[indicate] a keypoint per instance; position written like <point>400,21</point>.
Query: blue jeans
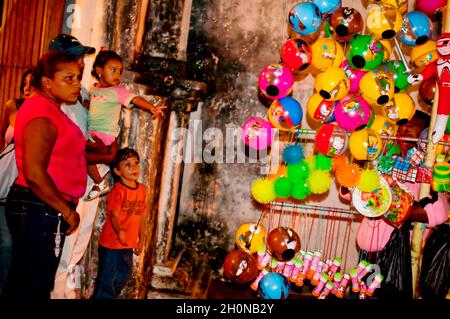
<point>33,226</point>
<point>5,247</point>
<point>114,268</point>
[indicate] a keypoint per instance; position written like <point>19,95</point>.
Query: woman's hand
<point>73,219</point>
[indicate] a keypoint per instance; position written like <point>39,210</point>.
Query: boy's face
<point>128,170</point>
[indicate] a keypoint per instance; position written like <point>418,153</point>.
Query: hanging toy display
<point>416,28</point>
<point>365,144</point>
<point>354,75</point>
<point>332,84</point>
<point>383,21</point>
<point>326,52</point>
<point>285,114</point>
<point>257,133</point>
<point>240,267</point>
<point>365,52</point>
<point>377,87</point>
<point>276,81</point>
<point>249,237</point>
<point>331,140</point>
<point>305,18</point>
<point>352,113</point>
<point>345,22</point>
<point>283,243</point>
<point>296,54</point>
<point>400,109</point>
<point>319,109</point>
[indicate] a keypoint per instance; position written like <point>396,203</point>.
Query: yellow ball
<point>400,109</point>
<point>377,87</point>
<point>319,109</point>
<point>423,54</point>
<point>383,21</point>
<point>401,5</point>
<point>365,144</point>
<point>332,84</point>
<point>263,190</point>
<point>387,49</point>
<point>326,52</point>
<point>383,126</point>
<point>250,237</point>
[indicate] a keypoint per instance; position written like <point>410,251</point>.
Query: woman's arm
<point>38,140</point>
<point>8,109</point>
<point>157,111</point>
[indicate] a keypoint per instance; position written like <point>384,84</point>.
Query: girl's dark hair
<point>122,155</point>
<point>102,58</point>
<point>22,80</point>
<point>48,65</point>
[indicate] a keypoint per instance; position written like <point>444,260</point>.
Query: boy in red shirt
<point>123,232</point>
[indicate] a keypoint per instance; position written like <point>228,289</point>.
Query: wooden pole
<point>430,158</point>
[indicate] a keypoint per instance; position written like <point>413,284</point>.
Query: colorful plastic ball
<point>352,113</point>
<point>397,70</point>
<point>327,7</point>
<point>365,52</point>
<point>424,54</point>
<point>427,90</point>
<point>400,109</point>
<point>240,267</point>
<point>319,109</point>
<point>298,172</point>
<point>300,191</point>
<point>257,133</point>
<point>377,87</point>
<point>263,190</point>
<point>305,18</point>
<point>430,7</point>
<point>354,75</point>
<point>369,181</point>
<point>332,84</point>
<point>283,187</point>
<point>319,182</point>
<point>331,140</point>
<point>383,126</point>
<point>276,81</point>
<point>416,29</point>
<point>323,162</point>
<point>274,286</point>
<point>401,5</point>
<point>387,49</point>
<point>283,243</point>
<point>286,114</point>
<point>345,23</point>
<point>383,21</point>
<point>326,52</point>
<point>296,54</point>
<point>293,154</point>
<point>365,144</point>
<point>249,237</point>
<point>348,175</point>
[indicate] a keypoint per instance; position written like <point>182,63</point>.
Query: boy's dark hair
<point>122,155</point>
<point>102,58</point>
<point>48,65</point>
<point>424,117</point>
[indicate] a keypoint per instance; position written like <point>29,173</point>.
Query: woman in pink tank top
<point>51,164</point>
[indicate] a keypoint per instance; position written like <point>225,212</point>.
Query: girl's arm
<point>38,140</point>
<point>157,111</point>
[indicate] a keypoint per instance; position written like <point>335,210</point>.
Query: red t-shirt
<point>131,205</point>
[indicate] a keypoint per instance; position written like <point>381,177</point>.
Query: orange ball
<point>283,243</point>
<point>240,267</point>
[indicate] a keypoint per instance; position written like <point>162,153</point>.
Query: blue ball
<point>305,18</point>
<point>293,108</point>
<point>416,29</point>
<point>293,154</point>
<point>327,7</point>
<point>274,286</point>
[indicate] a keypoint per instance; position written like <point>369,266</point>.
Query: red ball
<point>283,243</point>
<point>296,54</point>
<point>240,267</point>
<point>331,140</point>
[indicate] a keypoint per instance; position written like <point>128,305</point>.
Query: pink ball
<point>353,113</point>
<point>257,133</point>
<point>353,75</point>
<point>276,81</point>
<point>430,7</point>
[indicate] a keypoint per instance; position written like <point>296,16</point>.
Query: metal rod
<point>280,205</point>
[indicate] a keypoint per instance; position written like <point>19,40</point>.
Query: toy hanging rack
<point>321,210</point>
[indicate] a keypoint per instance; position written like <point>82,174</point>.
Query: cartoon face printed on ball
<point>365,52</point>
<point>332,84</point>
<point>326,52</point>
<point>345,23</point>
<point>443,44</point>
<point>383,21</point>
<point>377,87</point>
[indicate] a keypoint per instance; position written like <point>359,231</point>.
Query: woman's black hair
<point>22,79</point>
<point>102,58</point>
<point>424,117</point>
<point>48,65</point>
<point>122,155</point>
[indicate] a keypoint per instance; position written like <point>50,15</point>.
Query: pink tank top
<point>67,166</point>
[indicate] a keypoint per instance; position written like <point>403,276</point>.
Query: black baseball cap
<point>70,44</point>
